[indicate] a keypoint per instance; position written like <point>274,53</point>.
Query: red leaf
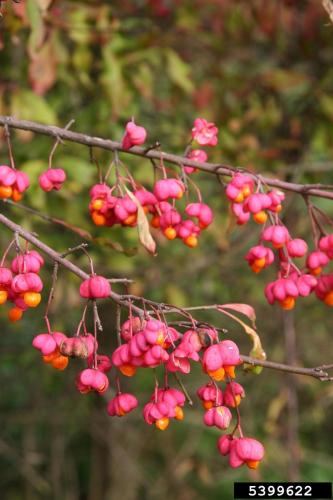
<point>243,309</point>
<point>43,68</point>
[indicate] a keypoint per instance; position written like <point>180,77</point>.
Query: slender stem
<point>196,188</point>
<point>238,424</point>
<point>74,249</point>
<point>120,280</point>
<point>6,252</point>
<point>81,232</point>
<point>82,321</point>
<point>118,385</point>
<point>312,221</point>
<point>57,142</point>
<point>157,145</point>
<point>47,321</point>
<point>9,146</point>
<point>324,216</point>
<point>94,160</point>
<point>188,147</point>
<point>198,324</point>
<point>156,386</point>
<point>92,272</point>
<point>17,242</point>
<point>97,319</point>
<point>321,229</point>
<point>95,337</point>
<point>51,294</point>
<point>118,323</point>
<point>108,172</point>
<point>183,388</point>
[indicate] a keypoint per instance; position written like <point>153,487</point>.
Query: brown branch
<point>212,168</point>
<point>319,373</point>
<point>77,230</point>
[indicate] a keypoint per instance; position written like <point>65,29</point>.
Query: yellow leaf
<point>257,350</point>
<point>143,226</point>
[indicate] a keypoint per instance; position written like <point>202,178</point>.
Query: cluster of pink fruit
<point>56,349</point>
<point>243,450</point>
<point>167,403</point>
<point>20,283</point>
<point>292,281</point>
<point>52,179</point>
<point>149,343</point>
<point>205,134</point>
<point>107,209</point>
<point>245,202</point>
<point>145,340</point>
<point>14,183</point>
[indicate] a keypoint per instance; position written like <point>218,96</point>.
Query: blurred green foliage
<point>262,70</point>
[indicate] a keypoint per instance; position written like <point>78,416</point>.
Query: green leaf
<point>43,68</point>
<point>113,81</point>
<point>282,80</point>
<point>37,32</point>
<point>26,105</point>
<point>80,171</point>
<point>178,71</point>
<point>36,197</point>
<point>326,105</point>
<point>44,4</point>
<point>253,369</point>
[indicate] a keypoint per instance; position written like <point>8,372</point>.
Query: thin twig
<point>9,146</point>
<point>74,249</point>
<point>96,316</point>
<point>81,232</point>
<point>57,142</point>
<point>118,323</point>
<point>51,295</point>
<point>238,424</point>
<point>183,388</point>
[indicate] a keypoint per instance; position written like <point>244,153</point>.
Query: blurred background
<point>262,71</point>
